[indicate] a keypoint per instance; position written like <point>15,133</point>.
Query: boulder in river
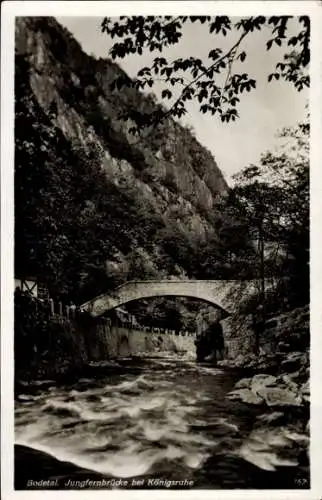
<point>305,391</point>
<point>277,396</point>
<point>274,391</point>
<point>294,361</point>
<point>262,380</point>
<point>271,418</point>
<point>224,362</point>
<point>243,383</point>
<point>246,396</point>
<point>25,397</point>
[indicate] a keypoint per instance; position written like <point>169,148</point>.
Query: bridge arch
<point>221,294</point>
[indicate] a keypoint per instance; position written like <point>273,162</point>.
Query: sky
<point>266,109</point>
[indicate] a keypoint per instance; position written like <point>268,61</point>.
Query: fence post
<point>72,310</point>
<point>51,306</point>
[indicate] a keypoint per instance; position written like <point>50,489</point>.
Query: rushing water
<point>155,418</point>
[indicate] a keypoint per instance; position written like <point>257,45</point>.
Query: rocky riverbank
<point>278,383</point>
<point>281,434</point>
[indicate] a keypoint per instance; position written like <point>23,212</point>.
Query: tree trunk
<point>262,264</point>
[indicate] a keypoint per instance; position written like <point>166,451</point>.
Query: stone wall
<point>238,335</point>
<point>288,329</point>
<point>105,341</point>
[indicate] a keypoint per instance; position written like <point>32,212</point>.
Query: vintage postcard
<point>161,274</point>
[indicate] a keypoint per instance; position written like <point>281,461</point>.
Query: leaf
<point>242,56</point>
<point>242,87</point>
<point>214,53</point>
<point>166,94</point>
<point>280,65</point>
<point>293,40</point>
<point>144,71</point>
<point>273,20</point>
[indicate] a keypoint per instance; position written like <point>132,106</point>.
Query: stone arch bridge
<point>226,295</point>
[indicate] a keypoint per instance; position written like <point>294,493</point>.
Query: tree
<point>229,253</point>
<point>262,224</point>
<point>213,82</point>
<point>139,267</point>
<point>274,200</point>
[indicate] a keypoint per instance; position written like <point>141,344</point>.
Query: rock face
<point>174,179</point>
<point>287,388</point>
<point>284,340</point>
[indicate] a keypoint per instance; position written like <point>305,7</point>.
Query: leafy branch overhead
<point>212,82</point>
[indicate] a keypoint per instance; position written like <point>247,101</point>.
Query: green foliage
<point>274,200</point>
<point>230,254</point>
<point>195,79</point>
<point>262,224</point>
<point>139,267</point>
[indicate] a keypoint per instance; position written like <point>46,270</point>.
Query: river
<point>164,418</point>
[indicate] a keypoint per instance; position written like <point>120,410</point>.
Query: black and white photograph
<point>160,284</point>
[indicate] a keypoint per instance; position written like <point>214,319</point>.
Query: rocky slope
<point>172,179</point>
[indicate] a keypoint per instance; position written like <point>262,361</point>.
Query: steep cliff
<point>86,186</point>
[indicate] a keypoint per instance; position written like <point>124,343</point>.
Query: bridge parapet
<point>223,294</point>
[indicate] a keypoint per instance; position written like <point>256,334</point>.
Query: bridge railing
<point>147,328</point>
<point>60,312</point>
<point>50,308</point>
